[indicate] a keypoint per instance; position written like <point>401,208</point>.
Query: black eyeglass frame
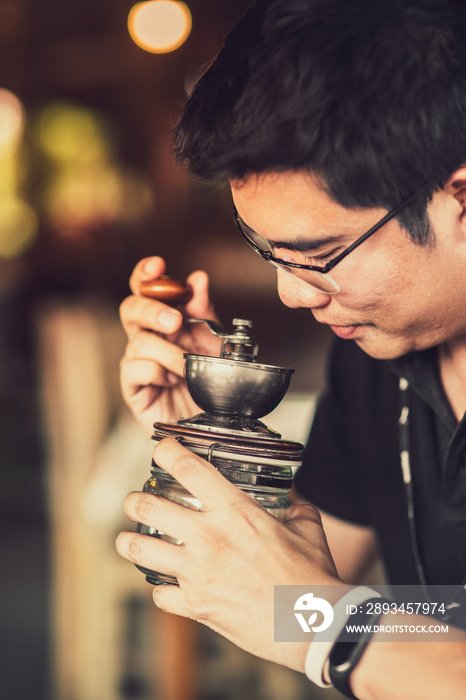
<point>267,255</point>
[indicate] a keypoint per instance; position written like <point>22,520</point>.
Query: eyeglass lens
<point>318,280</point>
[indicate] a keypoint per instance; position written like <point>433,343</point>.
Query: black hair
<point>368,95</point>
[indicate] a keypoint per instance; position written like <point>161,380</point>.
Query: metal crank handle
<point>174,293</point>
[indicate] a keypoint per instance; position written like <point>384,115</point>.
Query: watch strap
<point>318,651</point>
<point>347,650</point>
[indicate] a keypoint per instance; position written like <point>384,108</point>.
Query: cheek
<point>367,288</point>
<point>360,295</point>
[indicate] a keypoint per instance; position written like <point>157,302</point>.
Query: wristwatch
<point>347,651</point>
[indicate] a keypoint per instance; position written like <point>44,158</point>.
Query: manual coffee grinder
<point>233,390</point>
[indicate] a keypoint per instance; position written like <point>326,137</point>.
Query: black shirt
<point>351,467</point>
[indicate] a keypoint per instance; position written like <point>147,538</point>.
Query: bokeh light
<point>72,133</point>
<point>159,26</point>
<point>84,186</point>
<point>96,197</point>
<point>12,167</point>
<point>11,119</point>
<point>18,226</point>
<point>18,220</point>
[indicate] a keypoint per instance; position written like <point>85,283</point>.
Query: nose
<point>297,294</point>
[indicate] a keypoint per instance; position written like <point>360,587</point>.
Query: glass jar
<point>268,483</point>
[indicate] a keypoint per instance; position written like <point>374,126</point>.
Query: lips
<point>346,332</point>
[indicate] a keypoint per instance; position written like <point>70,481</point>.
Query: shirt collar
<point>421,369</point>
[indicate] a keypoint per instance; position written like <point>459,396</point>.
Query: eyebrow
<point>300,245</point>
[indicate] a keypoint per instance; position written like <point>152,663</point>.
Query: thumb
<point>200,305</point>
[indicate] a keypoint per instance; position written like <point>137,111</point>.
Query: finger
<point>148,346</point>
<point>200,305</point>
<point>138,375</point>
<point>198,476</point>
<point>157,512</point>
<point>171,599</point>
<point>150,552</point>
<point>146,269</point>
<point>141,312</point>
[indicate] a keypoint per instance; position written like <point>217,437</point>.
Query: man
<point>342,130</point>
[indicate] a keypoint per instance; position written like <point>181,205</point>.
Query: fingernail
<point>169,319</point>
<point>172,378</point>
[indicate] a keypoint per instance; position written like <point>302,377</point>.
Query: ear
<point>456,187</point>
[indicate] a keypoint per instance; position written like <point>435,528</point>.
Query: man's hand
<point>232,554</point>
<point>152,367</point>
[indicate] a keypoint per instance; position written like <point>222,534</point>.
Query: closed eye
<point>322,259</point>
<point>318,260</point>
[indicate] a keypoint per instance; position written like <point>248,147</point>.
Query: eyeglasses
<point>315,275</point>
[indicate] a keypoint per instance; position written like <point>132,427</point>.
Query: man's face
<point>395,296</point>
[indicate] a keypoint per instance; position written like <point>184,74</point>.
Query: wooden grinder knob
<point>168,290</point>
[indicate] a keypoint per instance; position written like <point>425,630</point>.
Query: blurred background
<point>89,91</point>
